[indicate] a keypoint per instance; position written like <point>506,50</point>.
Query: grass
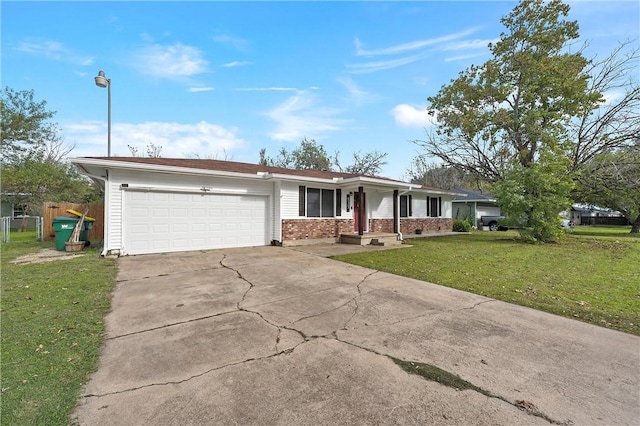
<point>435,374</point>
<point>52,328</point>
<point>592,275</point>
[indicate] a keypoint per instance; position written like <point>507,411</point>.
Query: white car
<point>567,224</point>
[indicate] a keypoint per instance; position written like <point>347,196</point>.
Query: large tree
<point>510,114</point>
<point>34,166</point>
<point>25,125</point>
<point>612,179</point>
<point>615,124</point>
<point>34,180</point>
<point>367,164</point>
<point>437,175</point>
<point>310,155</point>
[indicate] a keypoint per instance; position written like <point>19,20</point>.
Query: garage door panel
<point>163,222</point>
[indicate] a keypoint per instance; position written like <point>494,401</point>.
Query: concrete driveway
<point>274,335</point>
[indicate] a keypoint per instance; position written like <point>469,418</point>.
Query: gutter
<point>104,225</point>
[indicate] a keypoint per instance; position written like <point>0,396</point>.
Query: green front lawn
<point>52,327</point>
<point>586,276</point>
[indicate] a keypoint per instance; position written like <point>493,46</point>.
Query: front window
<point>434,206</point>
<point>319,202</point>
<point>405,206</point>
<point>19,210</point>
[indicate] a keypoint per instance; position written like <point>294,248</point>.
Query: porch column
<point>361,214</point>
<point>396,219</point>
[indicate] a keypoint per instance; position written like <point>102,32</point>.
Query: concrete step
<point>370,239</point>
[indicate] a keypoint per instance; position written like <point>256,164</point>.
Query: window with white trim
<point>19,210</point>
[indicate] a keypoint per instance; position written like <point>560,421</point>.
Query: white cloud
<point>266,89</point>
<point>411,116</point>
<point>53,50</point>
<point>612,96</point>
<point>356,93</point>
<point>369,67</point>
<point>177,139</point>
<point>200,89</point>
<point>300,116</point>
<point>470,44</point>
<point>236,64</point>
<point>171,61</point>
<point>233,41</point>
<point>463,57</point>
<point>409,46</point>
<point>449,42</point>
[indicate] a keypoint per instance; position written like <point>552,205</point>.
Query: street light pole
<point>102,81</point>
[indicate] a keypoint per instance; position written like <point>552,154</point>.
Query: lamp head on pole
<point>101,80</point>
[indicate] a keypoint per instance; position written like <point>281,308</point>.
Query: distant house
<point>157,205</point>
<point>16,213</point>
<point>583,214</point>
<point>474,204</point>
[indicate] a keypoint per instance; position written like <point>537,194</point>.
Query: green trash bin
<point>63,228</point>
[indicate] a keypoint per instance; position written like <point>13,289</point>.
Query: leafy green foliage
<point>509,115</point>
<point>308,156</point>
<point>461,225</point>
<point>32,181</point>
<point>34,167</point>
<point>612,179</point>
<point>534,196</point>
<point>311,155</point>
<point>25,124</point>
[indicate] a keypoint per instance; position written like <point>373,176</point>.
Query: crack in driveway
<point>353,304</point>
<point>204,373</point>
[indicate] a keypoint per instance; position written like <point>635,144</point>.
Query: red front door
<point>357,208</point>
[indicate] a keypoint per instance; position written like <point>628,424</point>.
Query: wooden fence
<point>52,210</point>
<point>604,220</point>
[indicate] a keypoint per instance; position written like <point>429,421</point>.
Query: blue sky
<point>226,79</point>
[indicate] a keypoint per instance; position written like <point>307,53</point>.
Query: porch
<point>371,238</point>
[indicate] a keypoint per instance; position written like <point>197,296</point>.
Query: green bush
<point>461,225</point>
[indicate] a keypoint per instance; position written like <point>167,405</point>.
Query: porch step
<point>376,239</point>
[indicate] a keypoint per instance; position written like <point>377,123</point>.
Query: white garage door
<point>159,222</point>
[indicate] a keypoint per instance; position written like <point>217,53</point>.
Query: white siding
<point>172,182</point>
<point>114,219</point>
<point>447,206</point>
<point>487,211</point>
<point>419,206</point>
<point>379,205</point>
<point>289,200</point>
<point>276,222</point>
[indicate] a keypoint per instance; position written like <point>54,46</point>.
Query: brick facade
<point>309,229</point>
<point>381,225</point>
<point>427,224</point>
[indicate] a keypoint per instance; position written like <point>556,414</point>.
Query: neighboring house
<point>155,205</point>
<point>473,205</point>
<point>16,212</point>
<point>13,210</point>
<point>582,214</point>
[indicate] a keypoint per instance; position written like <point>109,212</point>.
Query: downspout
<point>106,216</point>
<point>361,210</point>
<point>397,195</point>
<point>396,216</point>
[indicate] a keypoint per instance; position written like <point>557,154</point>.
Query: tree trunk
<point>23,224</point>
<point>635,225</point>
